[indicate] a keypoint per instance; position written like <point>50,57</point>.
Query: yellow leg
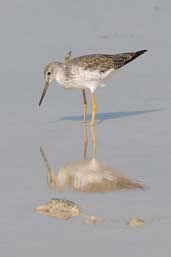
<point>93,115</point>
<point>85,105</point>
<point>93,133</point>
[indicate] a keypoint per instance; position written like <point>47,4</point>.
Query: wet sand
<point>132,128</point>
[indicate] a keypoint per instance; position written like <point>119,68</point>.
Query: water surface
<point>133,127</point>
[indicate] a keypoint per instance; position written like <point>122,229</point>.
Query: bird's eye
<point>48,73</point>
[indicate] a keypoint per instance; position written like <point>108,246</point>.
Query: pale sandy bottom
<point>133,130</point>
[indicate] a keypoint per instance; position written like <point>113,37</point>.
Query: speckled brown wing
<point>103,63</point>
<point>94,62</point>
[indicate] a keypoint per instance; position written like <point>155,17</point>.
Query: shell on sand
<point>135,222</point>
<point>59,208</point>
<point>93,220</point>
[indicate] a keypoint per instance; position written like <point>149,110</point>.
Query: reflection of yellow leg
<point>85,105</point>
<point>93,133</point>
<point>93,115</point>
<point>85,142</point>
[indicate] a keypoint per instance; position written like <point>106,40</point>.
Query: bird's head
<point>50,73</point>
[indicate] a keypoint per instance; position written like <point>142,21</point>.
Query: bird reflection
<point>87,175</point>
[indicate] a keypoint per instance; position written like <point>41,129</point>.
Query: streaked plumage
<point>104,62</point>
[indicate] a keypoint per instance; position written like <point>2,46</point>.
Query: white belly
<point>91,85</point>
<point>90,80</point>
<point>83,79</point>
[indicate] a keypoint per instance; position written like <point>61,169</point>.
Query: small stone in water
<point>93,220</point>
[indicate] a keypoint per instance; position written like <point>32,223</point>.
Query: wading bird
<point>86,72</point>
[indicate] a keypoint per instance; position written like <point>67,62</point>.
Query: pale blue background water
<point>36,32</point>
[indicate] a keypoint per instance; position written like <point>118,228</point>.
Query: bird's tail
<point>124,58</point>
<point>134,55</point>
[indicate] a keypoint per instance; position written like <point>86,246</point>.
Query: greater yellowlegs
<point>86,72</point>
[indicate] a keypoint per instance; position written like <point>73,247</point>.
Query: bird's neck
<point>61,77</point>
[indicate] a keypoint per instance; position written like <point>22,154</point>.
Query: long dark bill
<point>44,92</point>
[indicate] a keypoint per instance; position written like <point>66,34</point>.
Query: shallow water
<point>132,128</point>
